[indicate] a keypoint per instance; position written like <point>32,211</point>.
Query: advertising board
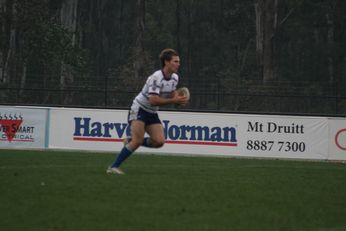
<point>337,139</point>
<point>22,127</point>
<point>196,133</point>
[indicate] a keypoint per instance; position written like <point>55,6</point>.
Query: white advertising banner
<point>22,127</point>
<point>247,135</point>
<point>337,139</point>
<point>87,129</point>
<point>196,133</point>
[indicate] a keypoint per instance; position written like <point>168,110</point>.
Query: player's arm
<point>176,94</point>
<point>156,100</point>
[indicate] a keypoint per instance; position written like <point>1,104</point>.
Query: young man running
<point>158,90</point>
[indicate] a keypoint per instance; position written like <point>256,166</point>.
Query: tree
<point>69,18</point>
<point>266,25</point>
<point>8,37</point>
<point>138,50</point>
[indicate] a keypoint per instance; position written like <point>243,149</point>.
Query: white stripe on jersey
<point>156,84</point>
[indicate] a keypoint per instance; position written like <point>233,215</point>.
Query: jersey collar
<point>166,77</point>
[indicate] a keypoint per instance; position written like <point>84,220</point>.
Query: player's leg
<point>137,132</point>
<point>153,127</point>
<point>157,137</point>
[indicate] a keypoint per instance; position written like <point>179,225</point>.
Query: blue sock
<point>124,153</point>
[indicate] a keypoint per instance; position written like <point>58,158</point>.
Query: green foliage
<point>216,41</point>
<point>43,40</point>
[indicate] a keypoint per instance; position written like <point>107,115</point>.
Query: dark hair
<point>166,55</point>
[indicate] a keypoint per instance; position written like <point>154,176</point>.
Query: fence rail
<point>237,101</point>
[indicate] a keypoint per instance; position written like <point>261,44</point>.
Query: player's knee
<point>158,143</point>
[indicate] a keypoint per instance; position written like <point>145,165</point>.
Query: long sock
<point>123,155</point>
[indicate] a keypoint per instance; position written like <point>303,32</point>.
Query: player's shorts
<point>138,113</point>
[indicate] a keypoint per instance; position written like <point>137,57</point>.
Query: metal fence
<point>280,98</point>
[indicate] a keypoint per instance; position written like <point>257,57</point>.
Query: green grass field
<point>71,191</point>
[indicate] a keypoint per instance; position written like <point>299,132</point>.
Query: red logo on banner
<point>9,125</point>
<point>341,141</point>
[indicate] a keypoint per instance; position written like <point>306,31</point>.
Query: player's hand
<point>181,100</point>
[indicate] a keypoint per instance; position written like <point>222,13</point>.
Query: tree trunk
<point>330,42</point>
<point>23,79</point>
<point>177,13</point>
<point>139,46</point>
<point>2,31</point>
<point>121,50</point>
<point>8,66</point>
<point>266,24</point>
<point>189,42</point>
<point>68,17</point>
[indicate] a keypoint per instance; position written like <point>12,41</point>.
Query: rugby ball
<point>184,91</point>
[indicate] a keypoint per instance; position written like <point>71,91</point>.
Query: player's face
<point>173,65</point>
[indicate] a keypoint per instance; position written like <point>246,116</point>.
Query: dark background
<point>261,56</point>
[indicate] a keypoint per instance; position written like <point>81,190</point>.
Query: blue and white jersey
<point>159,85</point>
